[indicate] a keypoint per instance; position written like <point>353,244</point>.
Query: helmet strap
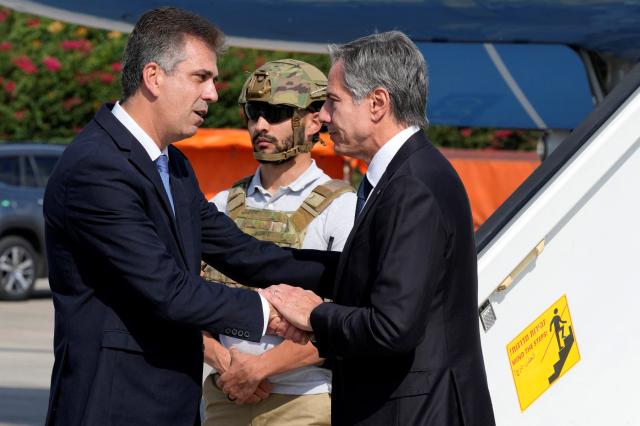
<point>299,143</point>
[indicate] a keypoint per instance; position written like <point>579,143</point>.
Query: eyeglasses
<point>271,113</point>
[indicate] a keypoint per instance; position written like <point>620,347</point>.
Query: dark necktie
<point>162,164</point>
<point>363,192</point>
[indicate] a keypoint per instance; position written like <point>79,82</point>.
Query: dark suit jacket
<point>403,333</point>
<point>124,272</point>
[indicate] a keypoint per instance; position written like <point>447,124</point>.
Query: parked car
<point>24,170</point>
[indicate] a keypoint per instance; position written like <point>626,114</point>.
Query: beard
<point>280,146</point>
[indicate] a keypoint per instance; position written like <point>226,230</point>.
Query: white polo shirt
<point>335,221</point>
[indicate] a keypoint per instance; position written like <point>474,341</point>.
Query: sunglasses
<point>271,113</point>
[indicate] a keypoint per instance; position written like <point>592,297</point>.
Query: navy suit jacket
<point>403,335</point>
<point>124,272</point>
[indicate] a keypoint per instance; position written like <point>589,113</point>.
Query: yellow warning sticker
<point>543,352</point>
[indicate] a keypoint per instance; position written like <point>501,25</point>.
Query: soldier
<point>291,202</point>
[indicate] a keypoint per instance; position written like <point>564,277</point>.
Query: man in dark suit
<point>403,333</point>
<point>126,228</point>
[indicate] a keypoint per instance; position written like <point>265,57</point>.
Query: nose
<point>324,115</point>
<point>261,124</point>
<point>210,94</point>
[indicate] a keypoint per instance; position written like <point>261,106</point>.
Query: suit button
<point>234,332</point>
<point>246,334</point>
<point>227,331</point>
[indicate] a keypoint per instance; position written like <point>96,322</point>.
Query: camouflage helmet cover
<point>285,82</point>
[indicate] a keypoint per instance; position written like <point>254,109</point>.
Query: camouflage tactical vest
<point>287,229</point>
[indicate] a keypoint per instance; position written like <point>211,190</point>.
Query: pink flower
<point>52,64</point>
<point>33,23</point>
<point>503,134</point>
<point>465,132</point>
<point>5,45</point>
<point>71,102</point>
<point>10,86</point>
<point>25,64</point>
<point>82,45</point>
<point>20,115</point>
<point>4,14</point>
<point>116,66</point>
<point>106,78</point>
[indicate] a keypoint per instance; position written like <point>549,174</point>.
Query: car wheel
<point>18,268</point>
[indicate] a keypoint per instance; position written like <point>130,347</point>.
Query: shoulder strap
<point>317,201</point>
<point>237,197</point>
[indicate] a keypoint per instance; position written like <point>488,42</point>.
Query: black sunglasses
<point>271,113</point>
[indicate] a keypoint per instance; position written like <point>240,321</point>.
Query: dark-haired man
<point>126,227</point>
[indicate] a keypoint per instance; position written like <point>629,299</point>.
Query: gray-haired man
<point>403,332</point>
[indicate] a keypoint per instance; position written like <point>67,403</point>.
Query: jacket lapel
<point>179,190</point>
<point>141,161</point>
<point>415,142</point>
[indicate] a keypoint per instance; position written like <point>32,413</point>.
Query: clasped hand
<point>242,381</point>
<point>294,306</point>
<point>279,326</point>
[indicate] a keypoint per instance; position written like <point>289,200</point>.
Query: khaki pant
<point>277,409</point>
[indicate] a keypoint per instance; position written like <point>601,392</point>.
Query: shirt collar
<point>309,176</point>
<point>383,157</point>
<point>141,136</point>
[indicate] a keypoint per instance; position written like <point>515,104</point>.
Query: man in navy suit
<point>126,228</point>
<point>403,333</point>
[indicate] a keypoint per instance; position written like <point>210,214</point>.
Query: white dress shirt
<point>141,136</point>
<point>383,157</point>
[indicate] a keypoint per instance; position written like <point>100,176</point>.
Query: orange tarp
<point>222,156</point>
<point>490,176</point>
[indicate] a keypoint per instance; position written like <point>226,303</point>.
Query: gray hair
<point>389,60</point>
<point>159,36</point>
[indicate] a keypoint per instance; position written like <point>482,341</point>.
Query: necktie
<point>162,164</point>
<point>363,192</point>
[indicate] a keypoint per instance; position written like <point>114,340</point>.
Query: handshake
<point>290,313</point>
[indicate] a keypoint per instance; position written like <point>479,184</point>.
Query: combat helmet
<point>291,83</point>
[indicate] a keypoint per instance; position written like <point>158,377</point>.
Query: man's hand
<point>215,355</point>
<point>294,304</point>
<point>279,326</point>
<point>244,381</point>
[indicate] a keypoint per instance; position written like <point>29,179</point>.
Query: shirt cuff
<point>265,313</point>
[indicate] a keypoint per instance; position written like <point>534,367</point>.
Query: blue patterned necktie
<point>162,164</point>
<point>363,193</point>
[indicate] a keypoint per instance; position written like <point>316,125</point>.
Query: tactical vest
<point>287,229</point>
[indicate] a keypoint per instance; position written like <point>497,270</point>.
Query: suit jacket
<point>403,335</point>
<point>124,272</point>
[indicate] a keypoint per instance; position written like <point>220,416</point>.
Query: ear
<point>379,103</point>
<point>152,77</point>
<point>313,123</point>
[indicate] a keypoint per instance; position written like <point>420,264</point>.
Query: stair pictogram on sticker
<point>543,352</point>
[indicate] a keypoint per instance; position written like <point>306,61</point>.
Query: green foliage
<point>54,76</point>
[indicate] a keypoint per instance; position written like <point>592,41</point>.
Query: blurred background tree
<point>54,76</point>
